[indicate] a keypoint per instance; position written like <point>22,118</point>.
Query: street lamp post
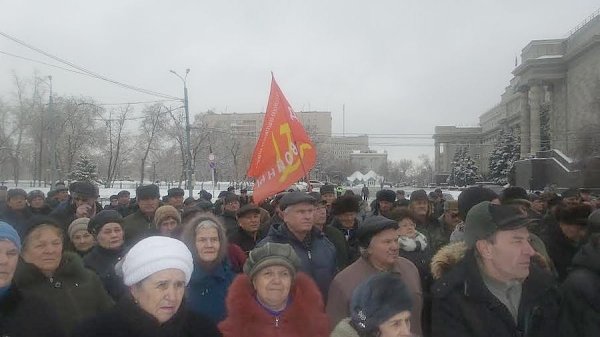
<point>190,187</point>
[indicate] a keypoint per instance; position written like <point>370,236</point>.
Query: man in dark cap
<point>344,211</point>
<point>231,205</point>
<point>244,198</point>
<point>579,307</point>
<point>564,241</point>
<point>124,203</point>
<point>331,233</point>
<point>328,194</point>
<point>36,200</point>
<point>427,224</point>
<point>384,202</point>
<point>16,212</point>
<point>488,286</point>
<point>175,198</point>
<point>466,200</point>
<point>82,203</point>
<point>378,242</point>
<point>571,197</point>
<point>314,249</point>
<point>248,232</point>
<point>140,224</point>
<point>113,203</point>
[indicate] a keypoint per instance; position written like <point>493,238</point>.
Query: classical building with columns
<point>552,103</point>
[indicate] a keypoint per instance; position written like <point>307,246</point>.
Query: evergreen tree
<point>464,171</point>
<point>503,157</point>
<point>84,170</point>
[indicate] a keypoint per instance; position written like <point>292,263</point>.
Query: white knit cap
<point>154,254</point>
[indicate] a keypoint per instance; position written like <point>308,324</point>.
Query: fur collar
<point>70,269</point>
<point>305,315</point>
<point>446,258</point>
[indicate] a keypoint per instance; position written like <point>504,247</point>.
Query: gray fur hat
<point>376,300</point>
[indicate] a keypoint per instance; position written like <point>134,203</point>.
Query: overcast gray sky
<point>398,66</point>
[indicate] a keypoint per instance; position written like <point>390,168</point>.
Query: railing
<point>583,23</point>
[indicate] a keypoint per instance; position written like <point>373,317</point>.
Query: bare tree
<point>115,138</point>
<point>151,128</point>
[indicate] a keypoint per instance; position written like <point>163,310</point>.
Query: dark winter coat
<point>102,261</point>
<point>207,290</point>
<point>27,316</point>
<point>137,227</point>
<point>245,240</point>
<point>20,220</point>
<point>318,260</point>
<point>463,306</point>
<point>65,212</point>
<point>561,251</point>
<point>436,235</point>
<point>341,246</point>
<point>303,317</point>
<point>45,210</point>
<point>350,237</point>
<point>229,220</point>
<point>127,319</point>
<point>74,292</point>
<point>580,310</point>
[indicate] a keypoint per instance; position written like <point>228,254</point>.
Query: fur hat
<point>378,299</point>
<point>574,215</point>
<point>419,195</point>
<point>345,204</point>
<point>386,195</point>
<point>102,218</point>
<point>16,192</point>
<point>271,254</point>
<point>154,254</point>
<point>84,189</point>
<point>176,192</point>
<point>164,212</point>
<point>471,197</point>
<point>515,195</point>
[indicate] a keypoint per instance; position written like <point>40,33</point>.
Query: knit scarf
<point>416,244</point>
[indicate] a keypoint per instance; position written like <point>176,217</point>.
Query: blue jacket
<point>319,261</point>
<point>207,290</point>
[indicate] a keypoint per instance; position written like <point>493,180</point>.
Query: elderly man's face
<point>507,256</point>
<point>299,217</point>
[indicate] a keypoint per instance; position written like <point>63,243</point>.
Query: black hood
<point>588,257</point>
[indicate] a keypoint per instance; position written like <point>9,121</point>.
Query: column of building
<point>525,136</point>
<point>535,103</point>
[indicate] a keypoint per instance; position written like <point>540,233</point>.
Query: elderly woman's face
<point>167,226</point>
<point>43,248</point>
<point>397,326</point>
<point>9,256</point>
<point>161,293</point>
<point>110,236</point>
<point>207,244</point>
<point>272,285</point>
<point>82,240</point>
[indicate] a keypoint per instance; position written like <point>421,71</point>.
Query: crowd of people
<point>299,264</point>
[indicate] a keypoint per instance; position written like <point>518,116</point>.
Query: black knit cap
<point>386,195</point>
<point>102,218</point>
<point>147,192</point>
<point>376,300</point>
<point>372,226</point>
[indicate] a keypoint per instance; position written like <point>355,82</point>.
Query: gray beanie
<point>271,254</point>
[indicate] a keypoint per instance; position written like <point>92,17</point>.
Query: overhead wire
<point>89,72</point>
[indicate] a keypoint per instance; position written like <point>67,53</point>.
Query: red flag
<point>284,152</point>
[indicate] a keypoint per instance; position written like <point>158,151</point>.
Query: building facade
<point>365,161</point>
<point>552,103</point>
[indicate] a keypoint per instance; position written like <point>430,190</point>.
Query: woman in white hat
<point>156,271</point>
